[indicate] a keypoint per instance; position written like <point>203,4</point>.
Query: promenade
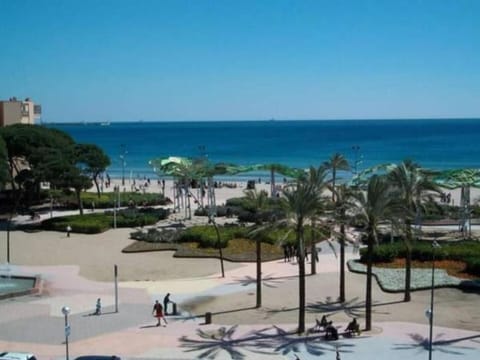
<point>239,331</point>
<point>77,270</point>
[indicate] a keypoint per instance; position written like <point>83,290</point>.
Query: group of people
<point>445,198</point>
<point>331,332</point>
<point>290,252</point>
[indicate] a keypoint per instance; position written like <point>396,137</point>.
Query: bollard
<point>208,318</point>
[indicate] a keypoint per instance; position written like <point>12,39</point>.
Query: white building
<point>15,111</point>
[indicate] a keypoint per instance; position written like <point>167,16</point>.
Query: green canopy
<point>452,179</point>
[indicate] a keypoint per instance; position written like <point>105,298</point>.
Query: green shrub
<point>473,265</point>
<point>86,224</point>
<point>206,235</point>
<point>242,203</point>
<point>386,252</point>
<point>99,222</point>
<point>467,251</point>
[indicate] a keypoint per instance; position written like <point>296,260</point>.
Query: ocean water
<point>433,143</point>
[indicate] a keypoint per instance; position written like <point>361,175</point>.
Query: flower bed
<point>393,280</point>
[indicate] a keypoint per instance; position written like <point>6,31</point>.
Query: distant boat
<point>105,123</point>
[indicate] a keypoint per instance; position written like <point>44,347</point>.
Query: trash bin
<point>174,308</point>
<point>208,318</point>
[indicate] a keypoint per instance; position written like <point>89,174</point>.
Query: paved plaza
<point>35,323</point>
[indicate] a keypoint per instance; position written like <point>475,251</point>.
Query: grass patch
<point>239,250</point>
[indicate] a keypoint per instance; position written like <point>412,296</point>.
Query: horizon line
<point>258,120</point>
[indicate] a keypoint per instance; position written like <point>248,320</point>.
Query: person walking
<point>98,307</point>
<point>158,313</point>
<point>69,230</point>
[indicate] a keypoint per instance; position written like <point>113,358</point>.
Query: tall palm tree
<point>259,201</point>
<point>373,206</point>
<point>317,179</point>
<point>336,162</point>
<point>344,202</point>
<point>415,185</point>
<point>301,202</point>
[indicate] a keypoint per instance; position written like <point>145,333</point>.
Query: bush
<point>473,265</point>
<point>466,251</point>
<point>156,236</point>
<point>206,236</point>
<point>86,224</point>
<point>138,217</point>
<point>97,222</point>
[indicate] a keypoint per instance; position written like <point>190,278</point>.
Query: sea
<point>438,144</point>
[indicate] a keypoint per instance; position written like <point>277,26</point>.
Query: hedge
<point>97,222</point>
<point>467,251</point>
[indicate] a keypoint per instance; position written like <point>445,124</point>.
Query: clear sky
<point>98,60</point>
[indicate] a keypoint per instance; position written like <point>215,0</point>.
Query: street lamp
<point>355,148</point>
<point>65,312</point>
<point>429,312</point>
<point>123,152</point>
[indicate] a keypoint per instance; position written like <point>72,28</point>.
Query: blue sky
<point>242,60</point>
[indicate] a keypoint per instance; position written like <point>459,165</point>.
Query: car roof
<point>16,356</point>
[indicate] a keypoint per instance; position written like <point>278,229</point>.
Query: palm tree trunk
<point>342,263</point>
<point>259,273</point>
<point>334,175</point>
<point>301,282</point>
<point>368,295</point>
<point>220,252</point>
<point>79,200</point>
<point>272,182</point>
<point>313,251</point>
<point>408,260</point>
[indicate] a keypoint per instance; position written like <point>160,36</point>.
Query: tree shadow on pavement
<point>268,281</point>
<point>274,339</point>
<point>354,308</point>
<point>422,344</point>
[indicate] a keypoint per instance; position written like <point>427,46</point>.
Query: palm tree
<point>301,202</point>
<point>336,162</point>
<point>374,205</point>
<point>259,201</point>
<point>344,202</point>
<point>414,185</point>
<point>316,177</point>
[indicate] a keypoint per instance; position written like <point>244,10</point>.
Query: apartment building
<point>13,111</point>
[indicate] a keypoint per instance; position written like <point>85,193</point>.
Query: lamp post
<point>65,312</point>
<point>355,148</point>
<point>123,152</point>
<point>435,245</point>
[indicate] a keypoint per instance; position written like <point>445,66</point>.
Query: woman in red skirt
<point>158,312</point>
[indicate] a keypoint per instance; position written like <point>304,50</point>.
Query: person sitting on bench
<point>320,325</point>
<point>331,333</point>
<point>353,327</point>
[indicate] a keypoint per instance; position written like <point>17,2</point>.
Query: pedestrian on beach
<point>69,230</point>
<point>158,313</point>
